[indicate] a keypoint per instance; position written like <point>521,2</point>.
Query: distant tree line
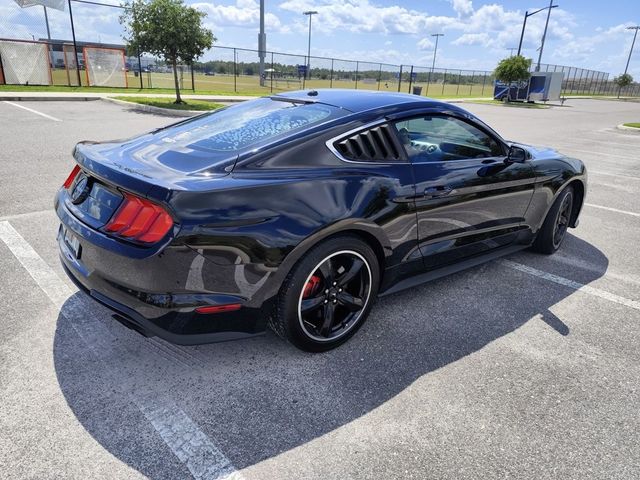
<point>282,70</point>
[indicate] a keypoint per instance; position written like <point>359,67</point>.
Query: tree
<point>622,81</point>
<point>168,29</point>
<point>513,69</point>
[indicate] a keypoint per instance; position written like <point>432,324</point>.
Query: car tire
<point>328,294</point>
<point>556,223</point>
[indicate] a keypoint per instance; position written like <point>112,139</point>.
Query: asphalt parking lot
<point>526,367</point>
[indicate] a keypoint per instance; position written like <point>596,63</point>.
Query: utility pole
<point>262,44</point>
<point>310,13</point>
<point>511,49</point>
<point>544,35</point>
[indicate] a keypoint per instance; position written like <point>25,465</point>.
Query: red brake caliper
<point>311,286</point>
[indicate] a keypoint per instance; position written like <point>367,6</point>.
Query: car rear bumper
<point>152,295</point>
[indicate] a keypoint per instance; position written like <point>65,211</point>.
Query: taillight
<point>140,220</point>
<point>72,176</point>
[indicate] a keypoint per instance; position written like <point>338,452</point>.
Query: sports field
<point>250,85</point>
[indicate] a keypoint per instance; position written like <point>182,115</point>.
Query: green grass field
<point>155,82</point>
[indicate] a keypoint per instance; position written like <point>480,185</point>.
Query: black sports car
<point>296,211</point>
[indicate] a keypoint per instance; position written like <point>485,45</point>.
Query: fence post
<point>235,70</point>
<point>357,68</point>
<point>484,81</point>
<point>426,92</point>
<point>593,77</point>
<point>444,80</point>
<point>459,80</point>
<point>271,72</point>
<point>410,79</point>
<point>75,45</point>
<point>473,76</point>
<point>139,69</point>
<point>379,76</point>
<point>331,75</point>
<point>580,82</point>
<point>400,79</point>
<point>193,82</point>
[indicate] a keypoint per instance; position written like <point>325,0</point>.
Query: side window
<point>441,138</point>
<point>376,144</point>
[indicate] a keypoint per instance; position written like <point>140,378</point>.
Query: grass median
<point>189,104</point>
<point>632,125</point>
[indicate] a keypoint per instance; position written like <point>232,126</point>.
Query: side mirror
<point>517,154</point>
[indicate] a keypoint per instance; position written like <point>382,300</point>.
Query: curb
<point>629,129</point>
<point>151,109</point>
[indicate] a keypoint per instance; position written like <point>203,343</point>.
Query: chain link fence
<point>223,69</point>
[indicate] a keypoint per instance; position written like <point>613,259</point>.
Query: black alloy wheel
<point>554,229</point>
<point>334,295</point>
<point>328,294</point>
<point>562,220</point>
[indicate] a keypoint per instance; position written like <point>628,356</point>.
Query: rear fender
<point>272,287</point>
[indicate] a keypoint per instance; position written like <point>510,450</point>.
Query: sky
<point>477,34</point>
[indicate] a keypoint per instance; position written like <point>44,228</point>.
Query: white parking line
<point>48,280</point>
<point>618,175</point>
<point>33,111</point>
<point>605,154</point>
<point>596,292</point>
<point>188,443</point>
<point>633,214</point>
<point>26,215</point>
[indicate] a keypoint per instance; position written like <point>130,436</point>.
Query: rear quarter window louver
<point>373,145</point>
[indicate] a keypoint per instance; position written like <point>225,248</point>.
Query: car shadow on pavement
<point>261,397</point>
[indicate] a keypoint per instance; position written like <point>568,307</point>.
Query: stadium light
<point>636,28</point>
<point>310,13</point>
<point>524,23</point>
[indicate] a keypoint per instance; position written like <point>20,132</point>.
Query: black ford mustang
<point>297,210</point>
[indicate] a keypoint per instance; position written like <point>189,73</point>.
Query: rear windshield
<point>249,124</point>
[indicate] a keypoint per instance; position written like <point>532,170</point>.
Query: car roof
<point>358,100</point>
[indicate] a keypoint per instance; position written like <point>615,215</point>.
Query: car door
<point>469,197</point>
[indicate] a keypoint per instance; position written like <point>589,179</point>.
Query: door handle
<point>439,191</point>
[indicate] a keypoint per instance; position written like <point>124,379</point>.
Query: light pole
<point>544,35</point>
<point>626,68</point>
<point>435,50</point>
<point>262,44</point>
<point>636,28</point>
<point>46,21</point>
<point>310,13</point>
<point>524,24</point>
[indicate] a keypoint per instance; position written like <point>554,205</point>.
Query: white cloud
<point>462,7</point>
<point>425,44</point>
<point>244,14</point>
<point>483,39</point>
<point>362,16</point>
